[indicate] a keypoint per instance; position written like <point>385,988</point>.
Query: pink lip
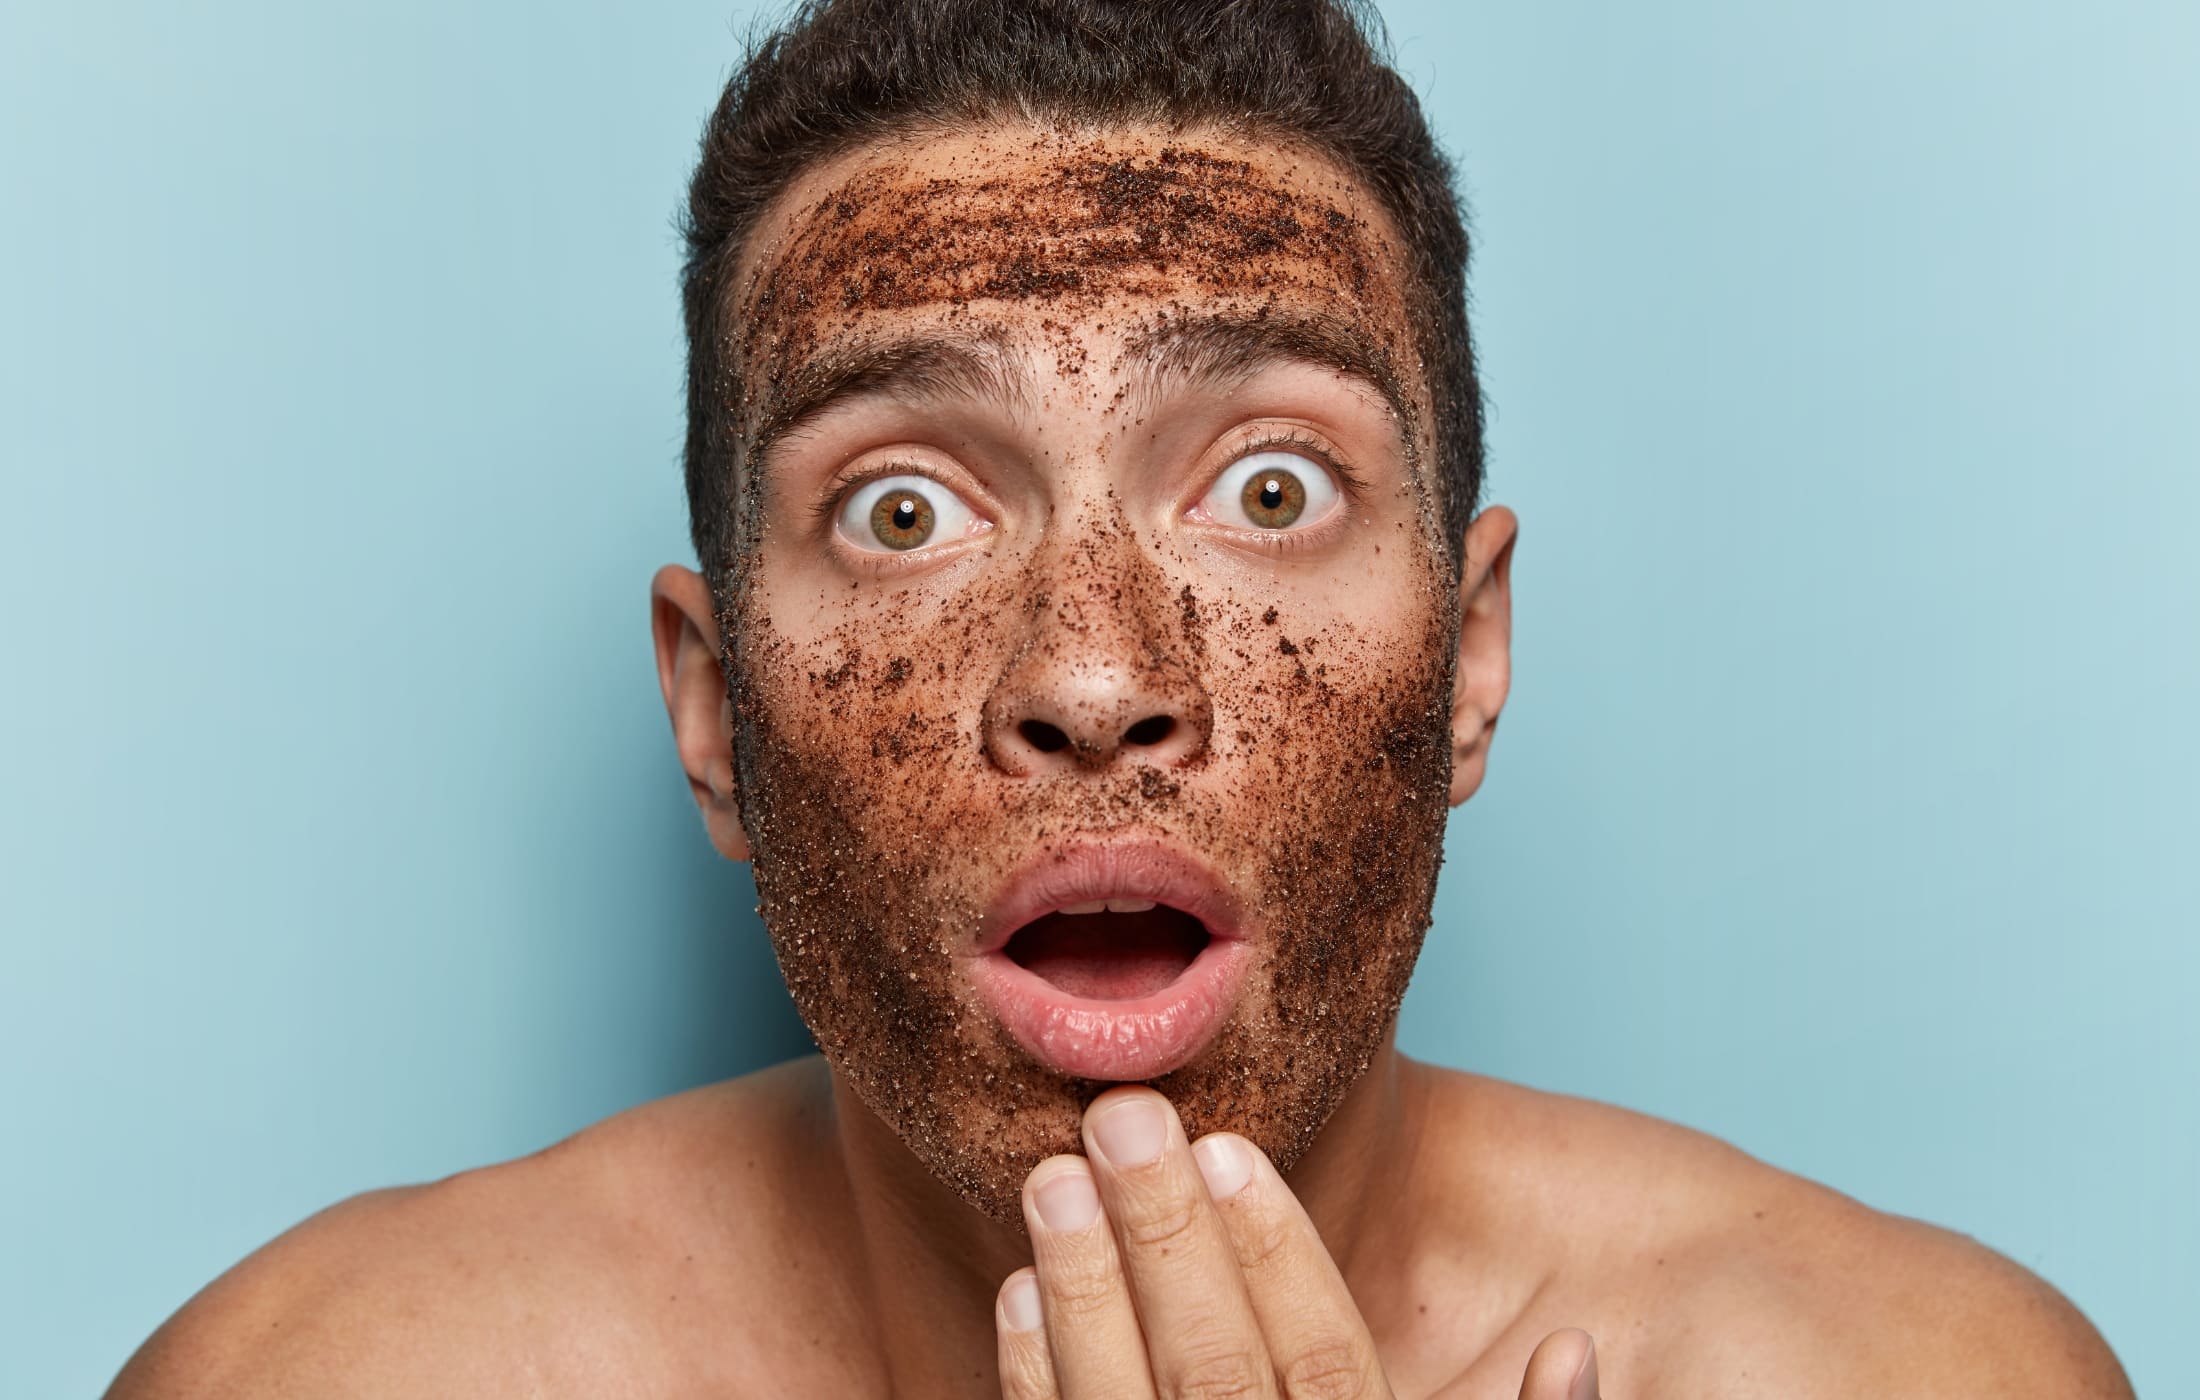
<point>1117,1040</point>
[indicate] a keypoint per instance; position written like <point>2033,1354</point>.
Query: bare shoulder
<point>621,1260</point>
<point>1705,1272</point>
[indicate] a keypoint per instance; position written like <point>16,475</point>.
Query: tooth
<point>1090,906</point>
<point>1129,906</point>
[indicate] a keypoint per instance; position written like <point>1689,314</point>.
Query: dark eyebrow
<point>914,367</point>
<point>1225,350</point>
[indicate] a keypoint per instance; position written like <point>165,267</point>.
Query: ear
<point>682,623</point>
<point>1484,676</point>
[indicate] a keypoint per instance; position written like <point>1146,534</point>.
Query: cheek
<point>859,715</point>
<point>1317,680</point>
<point>1339,734</point>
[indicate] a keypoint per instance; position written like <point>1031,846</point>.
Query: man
<point>1095,625</point>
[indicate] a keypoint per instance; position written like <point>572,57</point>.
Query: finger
<point>1085,1307</point>
<point>1027,1370</point>
<point>1316,1337</point>
<point>1564,1367</point>
<point>1201,1335</point>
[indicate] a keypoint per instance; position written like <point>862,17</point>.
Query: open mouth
<point>1113,959</point>
<point>1109,950</point>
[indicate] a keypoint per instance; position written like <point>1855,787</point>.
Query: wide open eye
<point>895,514</point>
<point>1270,491</point>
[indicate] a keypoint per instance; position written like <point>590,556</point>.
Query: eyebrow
<point>917,367</point>
<point>1213,351</point>
<point>1222,351</point>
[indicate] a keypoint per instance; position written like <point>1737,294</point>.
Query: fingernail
<point>1585,1379</point>
<point>1132,1132</point>
<point>1224,1162</point>
<point>1066,1201</point>
<point>1020,1304</point>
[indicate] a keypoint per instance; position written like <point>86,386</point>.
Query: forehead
<point>1077,237</point>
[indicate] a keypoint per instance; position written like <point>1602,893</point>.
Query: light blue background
<point>1844,370</point>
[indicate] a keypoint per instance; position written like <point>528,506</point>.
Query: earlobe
<point>685,633</point>
<point>1484,674</point>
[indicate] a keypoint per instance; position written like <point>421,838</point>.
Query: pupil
<point>1271,494</point>
<point>905,514</point>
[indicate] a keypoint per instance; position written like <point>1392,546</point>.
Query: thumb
<point>1564,1367</point>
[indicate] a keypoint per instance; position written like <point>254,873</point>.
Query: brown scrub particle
<point>1154,785</point>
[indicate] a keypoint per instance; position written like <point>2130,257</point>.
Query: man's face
<point>1090,561</point>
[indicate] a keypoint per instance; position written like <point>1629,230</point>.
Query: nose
<point>1092,717</point>
<point>1099,682</point>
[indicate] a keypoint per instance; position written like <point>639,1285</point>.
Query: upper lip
<point>1125,869</point>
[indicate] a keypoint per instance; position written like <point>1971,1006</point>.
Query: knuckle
<point>1162,1227</point>
<point>1025,1373</point>
<point>1080,1288</point>
<point>1264,1242</point>
<point>1220,1375</point>
<point>1332,1369</point>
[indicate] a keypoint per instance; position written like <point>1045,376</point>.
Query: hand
<point>1167,1268</point>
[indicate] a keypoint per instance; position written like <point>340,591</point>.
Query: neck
<point>933,1263</point>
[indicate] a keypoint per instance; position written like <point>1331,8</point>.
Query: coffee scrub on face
<point>883,817</point>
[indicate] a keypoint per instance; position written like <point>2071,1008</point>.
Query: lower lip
<point>1119,1040</point>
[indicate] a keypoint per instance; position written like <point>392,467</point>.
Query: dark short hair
<point>839,72</point>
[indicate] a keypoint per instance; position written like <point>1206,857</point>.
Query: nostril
<point>1150,730</point>
<point>1043,736</point>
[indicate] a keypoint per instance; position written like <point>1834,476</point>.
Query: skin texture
<point>844,1225</point>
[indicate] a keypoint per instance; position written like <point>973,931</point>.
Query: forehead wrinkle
<point>1221,351</point>
<point>917,368</point>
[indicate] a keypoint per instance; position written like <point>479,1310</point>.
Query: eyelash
<point>837,490</point>
<point>876,563</point>
<point>1306,445</point>
<point>1349,483</point>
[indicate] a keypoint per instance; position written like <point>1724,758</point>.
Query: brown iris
<point>901,520</point>
<point>1273,498</point>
